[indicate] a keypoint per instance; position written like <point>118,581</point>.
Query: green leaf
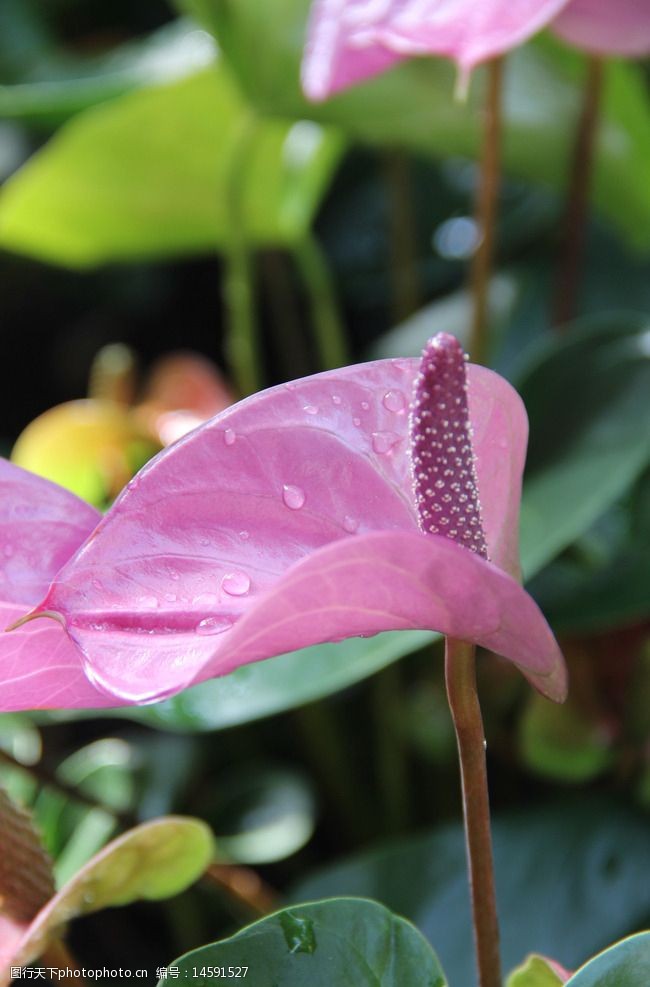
<point>346,942</point>
<point>156,860</point>
<point>562,741</point>
<point>534,972</point>
<point>412,106</point>
<point>587,400</point>
<point>151,174</point>
<point>627,964</point>
<point>569,877</point>
<point>57,86</point>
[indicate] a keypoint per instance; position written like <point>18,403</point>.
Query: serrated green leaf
<point>347,942</point>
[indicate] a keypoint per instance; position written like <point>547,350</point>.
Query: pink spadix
<point>297,517</point>
<point>441,448</point>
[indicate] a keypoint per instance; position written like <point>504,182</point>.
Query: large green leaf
<point>345,942</point>
<point>569,879</point>
<point>627,964</point>
<point>153,174</point>
<point>412,105</point>
<point>587,400</point>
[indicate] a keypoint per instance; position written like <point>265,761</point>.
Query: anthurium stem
<point>326,318</point>
<point>460,675</point>
<point>577,201</point>
<point>486,211</point>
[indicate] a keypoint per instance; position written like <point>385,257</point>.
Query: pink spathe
<point>41,526</point>
<point>300,498</point>
<point>606,27</point>
<point>352,40</point>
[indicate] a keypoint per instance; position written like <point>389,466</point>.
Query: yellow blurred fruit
<point>91,447</point>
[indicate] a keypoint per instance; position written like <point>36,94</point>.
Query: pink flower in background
<point>354,40</point>
<point>307,513</point>
<point>606,27</point>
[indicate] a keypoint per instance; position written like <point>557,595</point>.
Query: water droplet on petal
<point>350,524</point>
<point>356,421</point>
<point>310,409</point>
<point>365,405</point>
<point>383,442</point>
<point>236,583</point>
<point>229,437</point>
<point>394,401</point>
<point>244,535</point>
<point>149,602</point>
<point>293,497</point>
<point>336,399</point>
<point>213,625</point>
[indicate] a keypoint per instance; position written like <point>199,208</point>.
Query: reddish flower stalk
<point>447,496</point>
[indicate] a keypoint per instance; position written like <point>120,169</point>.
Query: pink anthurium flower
<point>41,525</point>
<point>309,513</point>
<point>606,28</point>
<point>352,41</point>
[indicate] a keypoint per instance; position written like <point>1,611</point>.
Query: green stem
<point>486,212</point>
<point>239,277</point>
<point>326,317</point>
<point>460,674</point>
<point>577,202</point>
<point>403,235</point>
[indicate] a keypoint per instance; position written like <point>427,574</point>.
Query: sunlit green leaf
<point>151,174</point>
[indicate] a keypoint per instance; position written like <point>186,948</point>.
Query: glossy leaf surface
<point>347,942</point>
